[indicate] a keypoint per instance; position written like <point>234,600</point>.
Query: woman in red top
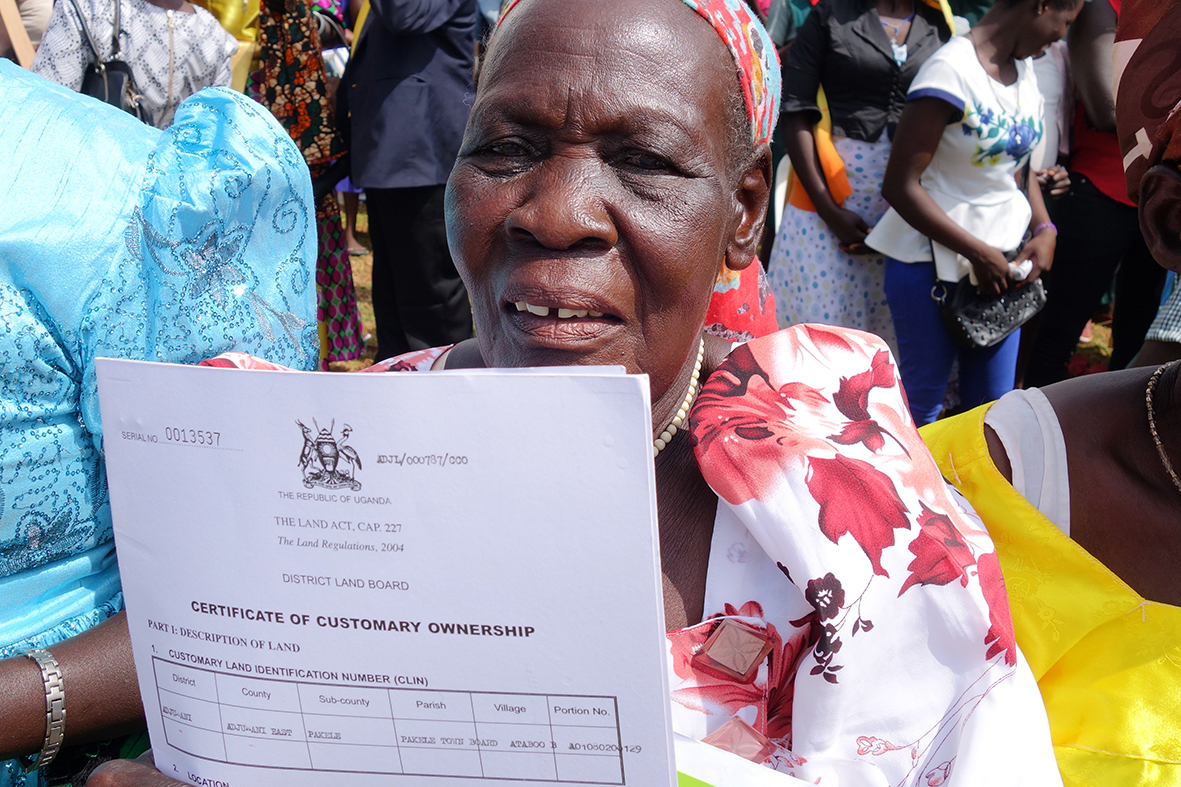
<point>1098,231</point>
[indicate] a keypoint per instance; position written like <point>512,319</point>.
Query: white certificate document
<point>441,578</point>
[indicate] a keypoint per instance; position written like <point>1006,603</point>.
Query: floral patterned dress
<point>892,658</point>
<point>883,645</point>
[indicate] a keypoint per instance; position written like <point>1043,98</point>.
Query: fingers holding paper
<point>130,773</point>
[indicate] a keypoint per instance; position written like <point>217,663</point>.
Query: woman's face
<point>1047,27</point>
<point>593,202</point>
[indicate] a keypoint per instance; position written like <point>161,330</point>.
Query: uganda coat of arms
<point>324,458</point>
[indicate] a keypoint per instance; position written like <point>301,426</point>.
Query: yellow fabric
<point>358,24</point>
<point>240,64</point>
<point>831,163</point>
<point>238,17</point>
<point>1107,661</point>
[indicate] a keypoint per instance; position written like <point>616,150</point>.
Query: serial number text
<point>192,436</point>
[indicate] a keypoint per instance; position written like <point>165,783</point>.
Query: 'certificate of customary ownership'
<point>419,579</point>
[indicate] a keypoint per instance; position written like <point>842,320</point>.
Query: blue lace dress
<point>121,240</point>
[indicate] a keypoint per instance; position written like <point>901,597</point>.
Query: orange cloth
<point>831,164</point>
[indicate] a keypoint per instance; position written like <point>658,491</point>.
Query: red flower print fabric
<point>899,666</point>
<point>892,660</point>
<point>414,361</point>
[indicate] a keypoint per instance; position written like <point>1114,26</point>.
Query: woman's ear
<point>752,195</point>
<point>1160,214</point>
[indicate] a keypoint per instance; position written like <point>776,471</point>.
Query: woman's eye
<point>507,149</point>
<point>504,157</point>
<point>648,161</point>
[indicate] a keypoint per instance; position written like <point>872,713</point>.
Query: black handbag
<point>979,321</point>
<point>110,80</point>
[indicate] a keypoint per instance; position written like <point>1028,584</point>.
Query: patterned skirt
<point>814,281</point>
<point>341,335</point>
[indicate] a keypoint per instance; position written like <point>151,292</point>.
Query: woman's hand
<point>1039,249</point>
<point>102,694</point>
<point>850,230</point>
<point>991,269</point>
<point>1054,180</point>
<point>128,773</point>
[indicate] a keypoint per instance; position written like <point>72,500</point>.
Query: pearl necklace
<point>683,412</point>
<point>1160,448</point>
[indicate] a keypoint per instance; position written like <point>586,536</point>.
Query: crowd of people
<point>814,236</point>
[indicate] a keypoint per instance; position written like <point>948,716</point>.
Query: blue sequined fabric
<point>120,240</point>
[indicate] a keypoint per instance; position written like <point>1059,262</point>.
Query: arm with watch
<point>80,690</point>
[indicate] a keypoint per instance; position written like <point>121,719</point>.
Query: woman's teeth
<point>563,314</point>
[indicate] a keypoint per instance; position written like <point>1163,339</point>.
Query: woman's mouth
<point>562,313</point>
<point>557,325</point>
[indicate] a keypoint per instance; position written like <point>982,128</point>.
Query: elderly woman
<point>606,175</point>
<point>1085,509</point>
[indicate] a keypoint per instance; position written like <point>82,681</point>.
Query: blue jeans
<point>926,351</point>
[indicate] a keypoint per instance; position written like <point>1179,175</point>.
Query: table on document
<point>234,718</point>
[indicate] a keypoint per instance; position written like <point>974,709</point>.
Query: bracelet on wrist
<point>55,707</point>
<point>1045,225</point>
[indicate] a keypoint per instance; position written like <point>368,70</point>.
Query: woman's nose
<point>566,206</point>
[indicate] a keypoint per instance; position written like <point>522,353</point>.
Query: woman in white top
<point>174,49</point>
<point>973,116</point>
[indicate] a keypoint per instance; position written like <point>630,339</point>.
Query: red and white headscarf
<point>754,55</point>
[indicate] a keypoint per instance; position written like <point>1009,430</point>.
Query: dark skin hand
<point>1055,181</point>
<point>847,225</point>
<point>99,675</point>
<point>1124,508</point>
